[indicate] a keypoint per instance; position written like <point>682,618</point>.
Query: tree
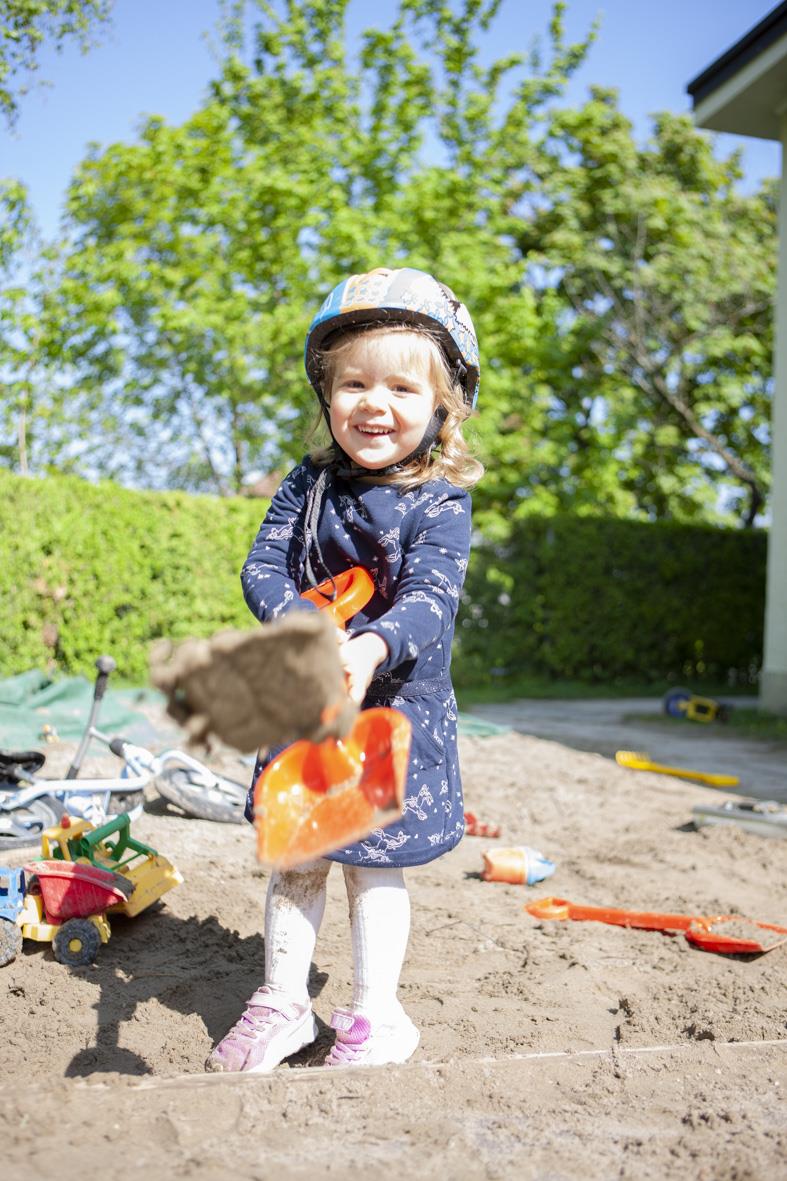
<point>25,25</point>
<point>621,292</point>
<point>177,287</point>
<point>15,228</point>
<point>668,273</point>
<point>198,254</point>
<point>40,413</point>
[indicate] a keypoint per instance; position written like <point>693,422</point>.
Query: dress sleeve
<point>268,574</point>
<point>430,582</point>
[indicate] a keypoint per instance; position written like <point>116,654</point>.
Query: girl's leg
<point>380,927</point>
<point>278,1019</point>
<point>376,1029</point>
<point>293,914</point>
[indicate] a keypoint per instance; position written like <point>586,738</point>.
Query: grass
<point>531,685</point>
<point>742,723</point>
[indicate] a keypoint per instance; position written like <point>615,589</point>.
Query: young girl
<point>393,358</point>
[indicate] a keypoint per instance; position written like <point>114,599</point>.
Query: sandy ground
<point>549,1050</point>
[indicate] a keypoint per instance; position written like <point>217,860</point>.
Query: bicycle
<point>29,803</point>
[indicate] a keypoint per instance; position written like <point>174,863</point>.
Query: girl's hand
<point>360,656</point>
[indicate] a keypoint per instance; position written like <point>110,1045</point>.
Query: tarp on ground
<point>479,727</point>
<point>32,701</point>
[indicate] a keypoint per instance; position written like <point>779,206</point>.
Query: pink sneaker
<point>270,1029</point>
<point>359,1044</point>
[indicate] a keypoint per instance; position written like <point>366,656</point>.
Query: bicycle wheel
<point>206,796</point>
<point>23,826</point>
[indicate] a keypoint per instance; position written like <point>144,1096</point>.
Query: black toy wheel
<point>22,826</point>
<point>76,943</point>
<point>209,797</point>
<point>10,941</point>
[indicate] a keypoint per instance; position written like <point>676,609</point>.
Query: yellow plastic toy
<point>82,876</point>
<point>148,873</point>
<point>682,703</point>
<point>638,761</point>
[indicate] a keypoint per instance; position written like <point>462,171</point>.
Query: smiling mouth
<point>374,431</point>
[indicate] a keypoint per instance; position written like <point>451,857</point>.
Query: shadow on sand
<point>190,966</point>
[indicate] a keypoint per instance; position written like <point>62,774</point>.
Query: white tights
<point>379,923</point>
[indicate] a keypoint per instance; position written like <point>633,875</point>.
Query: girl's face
<point>382,398</point>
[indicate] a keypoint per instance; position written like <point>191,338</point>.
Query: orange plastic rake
<point>742,936</point>
<point>316,797</point>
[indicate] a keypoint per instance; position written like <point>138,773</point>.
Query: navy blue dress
<point>415,545</point>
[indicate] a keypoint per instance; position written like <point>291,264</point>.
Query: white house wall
<point>773,692</point>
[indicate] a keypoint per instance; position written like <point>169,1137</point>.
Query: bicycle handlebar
<point>105,665</point>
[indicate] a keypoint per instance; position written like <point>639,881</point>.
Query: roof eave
<point>750,99</point>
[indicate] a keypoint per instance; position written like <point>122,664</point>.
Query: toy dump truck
<point>84,874</point>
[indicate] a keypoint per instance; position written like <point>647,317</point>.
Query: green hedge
<point>603,600</point>
<point>90,568</point>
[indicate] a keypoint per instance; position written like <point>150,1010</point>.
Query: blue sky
<point>155,59</point>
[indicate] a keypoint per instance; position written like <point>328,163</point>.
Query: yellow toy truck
<point>83,875</point>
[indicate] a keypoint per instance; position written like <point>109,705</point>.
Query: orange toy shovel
<point>316,797</point>
<point>729,934</point>
<point>344,596</point>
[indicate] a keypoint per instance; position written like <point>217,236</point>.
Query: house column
<point>773,681</point>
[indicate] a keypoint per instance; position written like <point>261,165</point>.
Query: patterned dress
<point>415,545</point>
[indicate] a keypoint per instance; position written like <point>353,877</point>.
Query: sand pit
<point>549,1049</point>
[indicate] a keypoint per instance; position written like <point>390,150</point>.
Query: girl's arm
<point>430,581</point>
<point>267,577</point>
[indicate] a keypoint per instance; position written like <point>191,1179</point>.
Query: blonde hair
<point>451,457</point>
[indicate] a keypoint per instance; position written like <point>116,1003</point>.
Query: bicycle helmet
<point>403,296</point>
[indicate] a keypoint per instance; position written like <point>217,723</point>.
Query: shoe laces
<point>256,1019</point>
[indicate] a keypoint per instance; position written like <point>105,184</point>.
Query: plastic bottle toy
<point>518,866</point>
<point>82,876</point>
